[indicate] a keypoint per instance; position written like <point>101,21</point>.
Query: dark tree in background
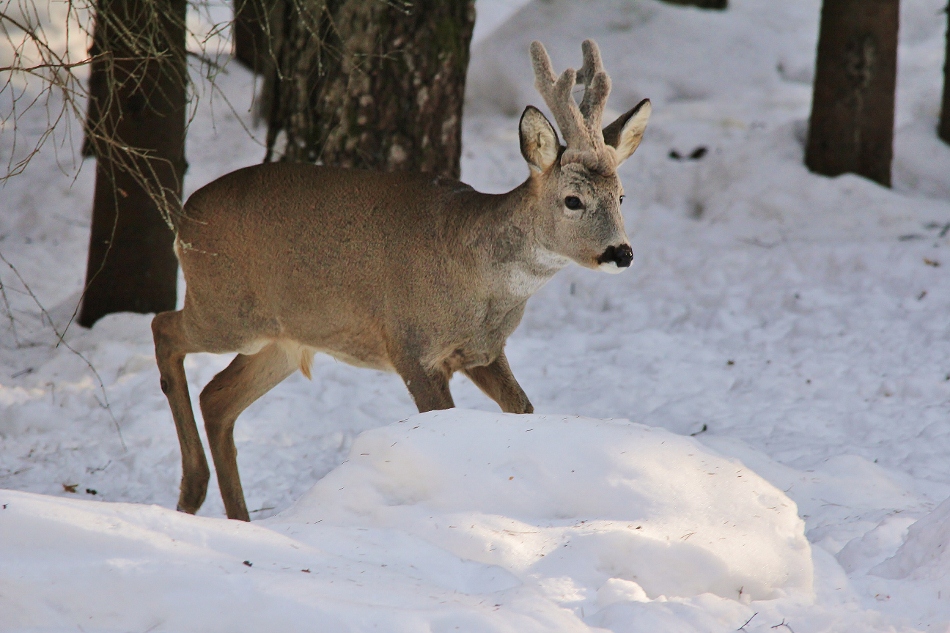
<point>253,25</point>
<point>944,128</point>
<point>136,128</point>
<point>98,91</point>
<point>852,115</point>
<point>370,83</point>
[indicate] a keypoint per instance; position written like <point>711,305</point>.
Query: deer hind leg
<point>242,382</point>
<point>499,384</point>
<point>171,346</point>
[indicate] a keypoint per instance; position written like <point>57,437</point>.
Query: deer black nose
<point>620,255</point>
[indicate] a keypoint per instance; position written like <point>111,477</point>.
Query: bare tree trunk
<point>139,146</point>
<point>372,84</point>
<point>253,28</point>
<point>98,93</point>
<point>852,116</point>
<point>944,128</point>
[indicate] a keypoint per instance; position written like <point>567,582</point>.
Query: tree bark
<point>852,116</point>
<point>139,147</point>
<point>253,28</point>
<point>944,127</point>
<point>372,84</point>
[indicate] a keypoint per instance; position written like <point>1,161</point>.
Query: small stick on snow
<point>742,628</point>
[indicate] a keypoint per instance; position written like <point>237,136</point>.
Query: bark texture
<point>138,135</point>
<point>852,117</point>
<point>944,127</point>
<point>371,84</point>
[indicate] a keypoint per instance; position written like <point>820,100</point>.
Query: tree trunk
<point>376,85</point>
<point>253,28</point>
<point>139,147</point>
<point>944,128</point>
<point>852,116</point>
<point>98,93</point>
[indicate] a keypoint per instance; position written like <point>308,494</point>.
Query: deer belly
<point>370,360</point>
<point>361,348</point>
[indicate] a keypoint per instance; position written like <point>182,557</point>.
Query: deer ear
<point>539,144</point>
<point>625,133</point>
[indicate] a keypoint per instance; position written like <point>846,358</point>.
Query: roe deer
<point>396,271</point>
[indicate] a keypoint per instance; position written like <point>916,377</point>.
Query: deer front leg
<point>234,389</point>
<point>428,387</point>
<point>499,384</point>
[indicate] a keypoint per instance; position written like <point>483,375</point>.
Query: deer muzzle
<point>615,258</point>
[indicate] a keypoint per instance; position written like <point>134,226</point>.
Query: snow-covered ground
<point>795,326</point>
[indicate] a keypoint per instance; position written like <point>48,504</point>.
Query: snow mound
<point>94,566</point>
<point>924,554</point>
<point>452,520</point>
<point>589,511</point>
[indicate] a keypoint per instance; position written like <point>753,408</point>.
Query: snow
<point>764,394</point>
<point>437,520</point>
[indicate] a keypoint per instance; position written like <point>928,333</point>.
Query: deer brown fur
<point>395,271</point>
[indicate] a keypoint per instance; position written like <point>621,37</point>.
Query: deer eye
<point>573,203</point>
<point>621,199</point>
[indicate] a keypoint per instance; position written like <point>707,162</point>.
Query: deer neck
<point>517,263</point>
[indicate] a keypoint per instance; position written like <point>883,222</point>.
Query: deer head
<point>576,184</point>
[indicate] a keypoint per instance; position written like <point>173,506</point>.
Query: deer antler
<point>596,87</point>
<point>579,125</point>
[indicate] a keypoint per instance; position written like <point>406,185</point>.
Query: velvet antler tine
<point>594,101</point>
<point>543,73</point>
<point>556,92</point>
<point>592,62</point>
<point>596,86</point>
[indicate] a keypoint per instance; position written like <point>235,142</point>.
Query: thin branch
<point>102,386</point>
